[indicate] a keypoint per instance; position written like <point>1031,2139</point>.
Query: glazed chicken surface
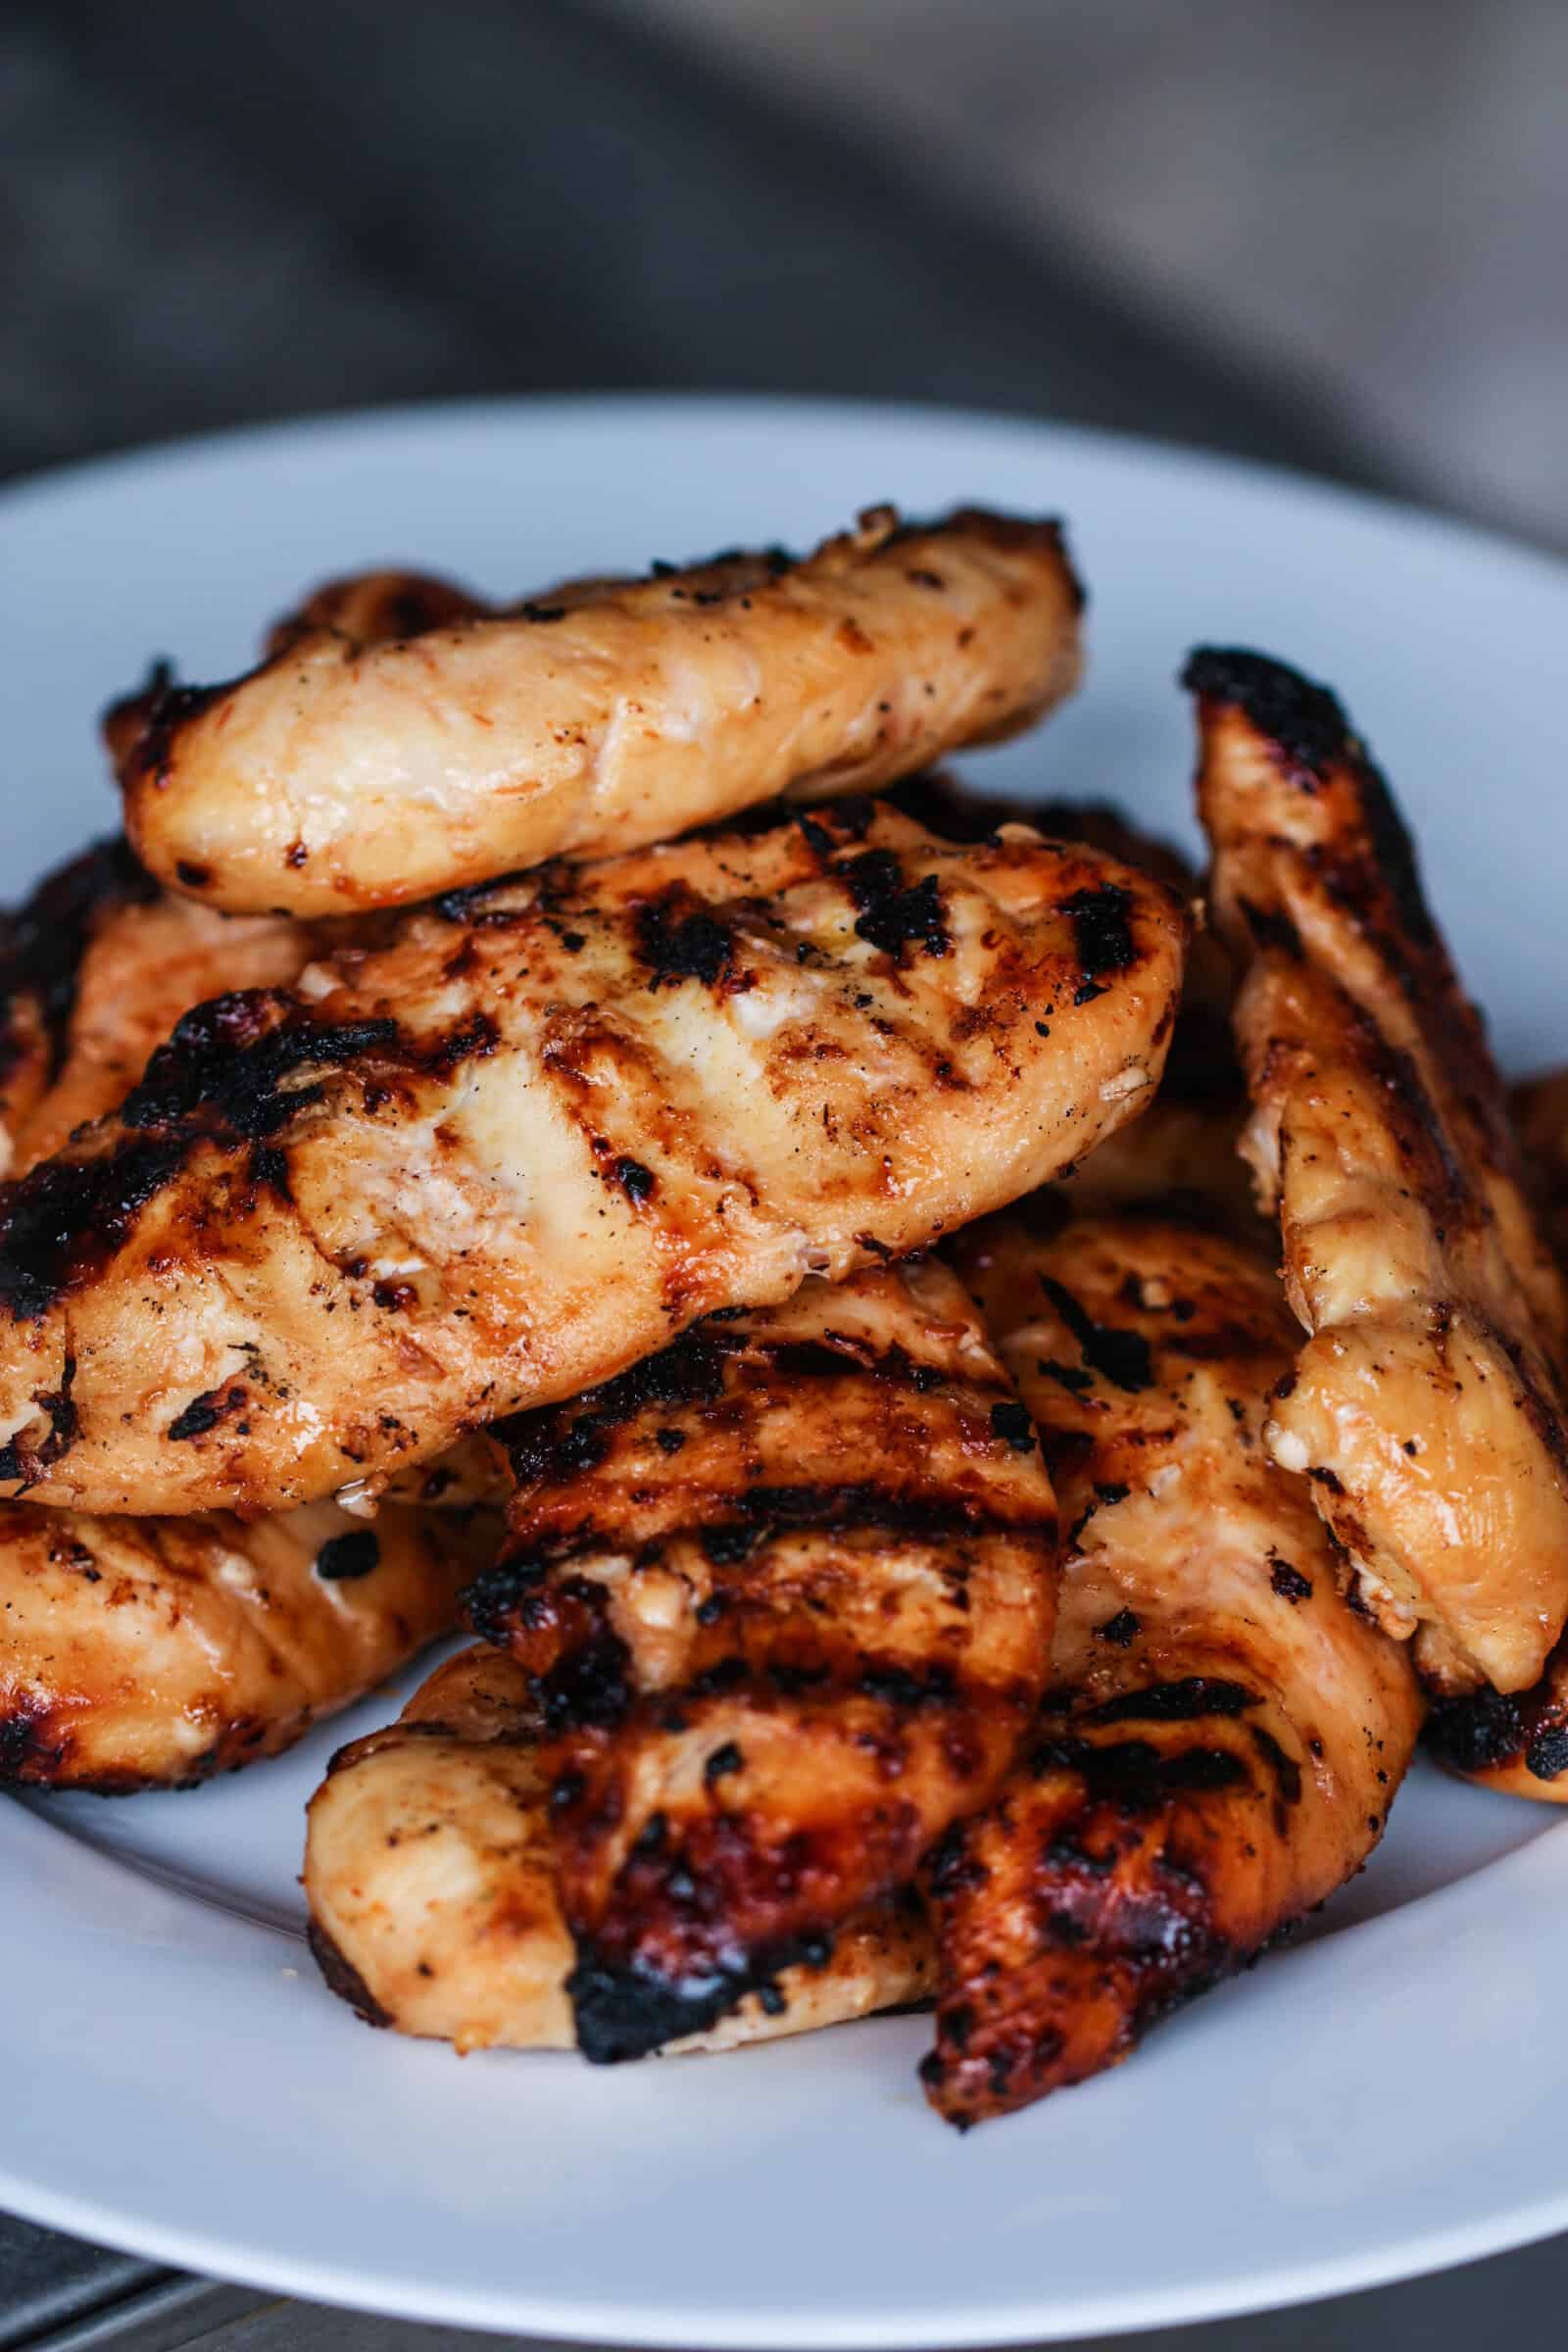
<point>430,1876</point>
<point>142,1653</point>
<point>1518,1742</point>
<point>547,1126</point>
<point>350,770</point>
<point>1223,1734</point>
<point>1424,1407</point>
<point>786,1590</point>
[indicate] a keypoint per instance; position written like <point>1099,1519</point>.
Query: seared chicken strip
<point>1424,1406</point>
<point>786,1592</point>
<point>344,774</point>
<point>549,1126</point>
<point>41,949</point>
<point>140,1653</point>
<point>1224,1734</point>
<point>435,1906</point>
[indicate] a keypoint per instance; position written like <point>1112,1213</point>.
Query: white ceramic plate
<point>1384,2098</point>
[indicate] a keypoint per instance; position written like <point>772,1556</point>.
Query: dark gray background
<point>1326,233</point>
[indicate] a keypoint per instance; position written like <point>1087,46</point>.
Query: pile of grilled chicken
<point>974,1389</point>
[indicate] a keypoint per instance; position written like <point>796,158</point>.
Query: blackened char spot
<point>679,939</point>
<point>1186,1700</point>
<point>342,1559</point>
<point>1477,1733</point>
<point>626,2010</point>
<point>204,1413</point>
<point>1304,719</point>
<point>893,917</point>
<point>560,1440</point>
<point>1122,1357</point>
<point>67,1218</point>
<point>1103,938</point>
<point>344,1978</point>
<point>1546,1756</point>
<point>1133,1771</point>
<point>1121,1630</point>
<point>222,1070</point>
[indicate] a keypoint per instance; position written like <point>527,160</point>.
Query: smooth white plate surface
<point>1384,2098</point>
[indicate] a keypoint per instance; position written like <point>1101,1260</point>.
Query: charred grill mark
<point>625,2011</point>
<point>1123,1357</point>
<point>1272,927</point>
<point>1304,719</point>
<point>1490,1731</point>
<point>680,939</point>
<point>141,728</point>
<point>344,1559</point>
<point>1186,1700</point>
<point>223,1067</point>
<point>204,1412</point>
<point>1103,938</point>
<point>559,1441</point>
<point>67,1218</point>
<point>342,1978</point>
<point>893,915</point>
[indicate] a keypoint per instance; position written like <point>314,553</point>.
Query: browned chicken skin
<point>1223,1734</point>
<point>1424,1406</point>
<point>344,774</point>
<point>434,1908</point>
<point>787,1591</point>
<point>139,1653</point>
<point>548,1127</point>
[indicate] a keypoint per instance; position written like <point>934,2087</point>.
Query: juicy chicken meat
<point>430,1876</point>
<point>1424,1407</point>
<point>786,1592</point>
<point>1223,1733</point>
<point>41,949</point>
<point>1519,1742</point>
<point>345,773</point>
<point>1185,1143</point>
<point>549,1125</point>
<point>139,1653</point>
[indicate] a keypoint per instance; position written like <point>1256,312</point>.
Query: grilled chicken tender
<point>1424,1406</point>
<point>549,1126</point>
<point>786,1592</point>
<point>142,1653</point>
<point>434,1908</point>
<point>1223,1734</point>
<point>344,774</point>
